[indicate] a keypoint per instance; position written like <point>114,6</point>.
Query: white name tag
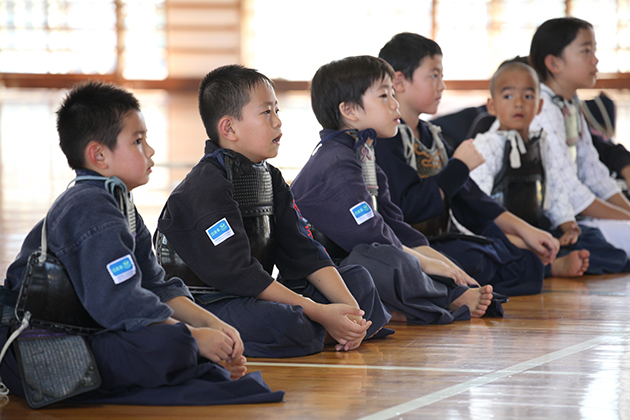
<point>122,269</point>
<point>220,231</point>
<point>361,212</point>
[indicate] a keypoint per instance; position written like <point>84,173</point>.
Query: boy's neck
<point>411,119</point>
<point>223,144</point>
<point>346,127</point>
<point>90,167</point>
<point>524,133</point>
<point>87,171</point>
<point>228,145</point>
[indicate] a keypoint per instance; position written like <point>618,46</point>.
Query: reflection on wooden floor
<point>564,354</point>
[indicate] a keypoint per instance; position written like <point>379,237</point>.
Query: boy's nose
<point>277,122</point>
<point>150,150</point>
<point>394,104</point>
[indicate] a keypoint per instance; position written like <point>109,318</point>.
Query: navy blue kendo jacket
<point>89,234</point>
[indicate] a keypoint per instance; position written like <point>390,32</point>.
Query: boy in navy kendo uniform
<point>233,218</point>
<point>344,195</point>
<point>157,341</point>
<point>519,174</point>
<point>430,182</point>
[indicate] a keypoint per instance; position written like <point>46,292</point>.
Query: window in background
<point>289,39</point>
<point>84,37</point>
<point>476,37</point>
<point>57,37</point>
<point>292,38</point>
<point>144,52</point>
<point>611,22</point>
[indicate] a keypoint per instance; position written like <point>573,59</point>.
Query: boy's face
<point>258,131</point>
<point>423,93</point>
<point>515,100</point>
<point>131,159</point>
<point>380,109</point>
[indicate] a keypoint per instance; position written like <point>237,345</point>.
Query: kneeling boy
<point>233,218</point>
<point>519,174</point>
<point>345,196</point>
<point>157,341</point>
<point>430,183</point>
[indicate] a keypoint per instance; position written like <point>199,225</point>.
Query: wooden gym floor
<point>563,354</point>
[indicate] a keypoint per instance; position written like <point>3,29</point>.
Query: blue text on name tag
<point>220,231</point>
<point>122,269</point>
<point>362,212</point>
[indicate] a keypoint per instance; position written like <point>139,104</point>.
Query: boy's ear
<point>225,127</point>
<point>490,106</point>
<point>540,105</point>
<point>552,63</point>
<point>95,155</point>
<point>399,81</point>
<point>348,112</point>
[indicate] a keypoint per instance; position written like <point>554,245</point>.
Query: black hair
<point>344,80</point>
<point>517,62</point>
<point>552,37</point>
<point>406,50</point>
<point>224,92</point>
<point>92,111</point>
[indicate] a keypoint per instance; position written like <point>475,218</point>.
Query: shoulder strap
<point>115,187</point>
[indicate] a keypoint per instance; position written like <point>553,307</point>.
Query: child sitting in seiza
<point>344,195</point>
<point>520,175</point>
<point>157,341</point>
<point>562,52</point>
<point>430,183</point>
<point>233,218</point>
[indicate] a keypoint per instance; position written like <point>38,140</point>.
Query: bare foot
<point>236,367</point>
<point>477,300</point>
<point>571,265</point>
<point>397,317</point>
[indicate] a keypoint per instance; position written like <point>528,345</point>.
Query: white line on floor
<point>500,374</point>
<point>329,366</point>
